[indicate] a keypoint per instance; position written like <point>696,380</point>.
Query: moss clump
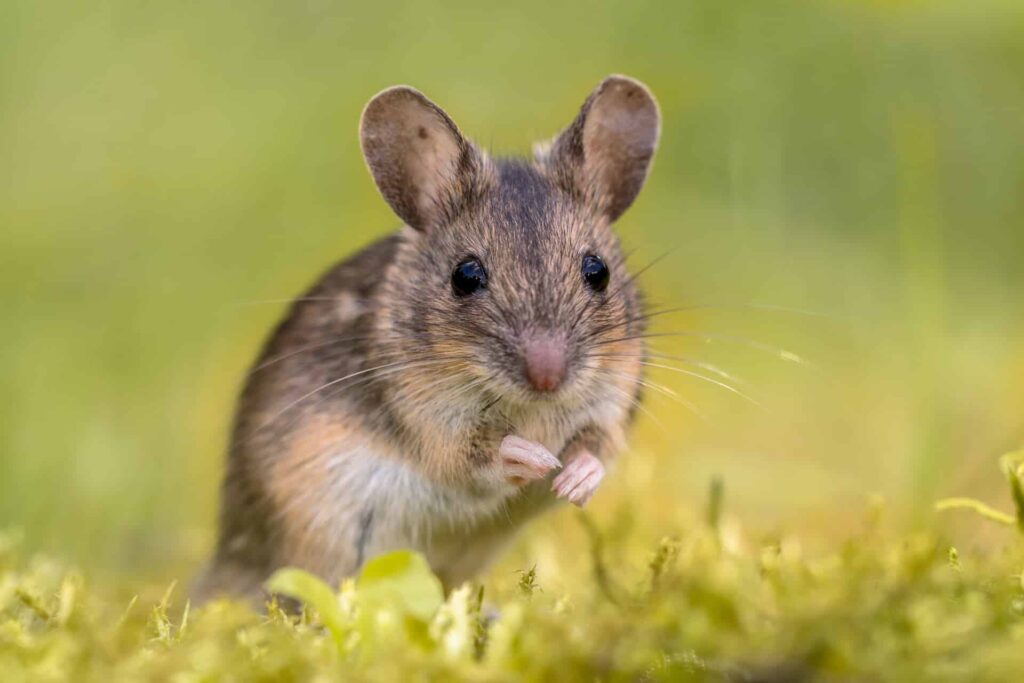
<point>899,608</point>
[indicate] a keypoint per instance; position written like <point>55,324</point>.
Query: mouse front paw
<point>580,479</point>
<point>523,461</point>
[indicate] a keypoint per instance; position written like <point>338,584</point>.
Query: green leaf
<point>401,580</point>
<point>311,590</point>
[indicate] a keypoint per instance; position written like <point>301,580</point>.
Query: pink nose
<point>544,358</point>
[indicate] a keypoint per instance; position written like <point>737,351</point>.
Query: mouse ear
<point>603,156</point>
<point>420,161</point>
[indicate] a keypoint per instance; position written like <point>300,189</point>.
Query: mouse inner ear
<point>423,166</point>
<point>602,158</point>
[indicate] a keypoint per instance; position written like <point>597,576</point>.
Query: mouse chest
<point>552,430</point>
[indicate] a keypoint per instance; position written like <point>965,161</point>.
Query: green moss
<point>896,607</point>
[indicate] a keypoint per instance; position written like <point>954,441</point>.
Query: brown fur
<point>372,419</point>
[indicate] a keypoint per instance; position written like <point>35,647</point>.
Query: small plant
<point>528,581</point>
<point>1012,465</point>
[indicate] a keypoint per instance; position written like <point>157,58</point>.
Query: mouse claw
<point>580,479</point>
<point>523,460</point>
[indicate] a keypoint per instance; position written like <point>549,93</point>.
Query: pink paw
<point>524,460</point>
<point>580,478</point>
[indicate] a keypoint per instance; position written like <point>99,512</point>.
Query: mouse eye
<point>468,277</point>
<point>595,273</point>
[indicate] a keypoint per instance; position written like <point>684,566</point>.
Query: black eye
<point>595,273</point>
<point>468,277</point>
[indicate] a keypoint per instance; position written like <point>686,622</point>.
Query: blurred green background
<point>169,174</point>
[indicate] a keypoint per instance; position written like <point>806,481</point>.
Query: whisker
<point>631,278</point>
<point>404,365</point>
<point>304,349</point>
<point>703,365</point>
<point>647,316</point>
<point>763,307</point>
<point>697,375</point>
<point>294,299</point>
<point>650,385</point>
<point>334,393</point>
<point>740,307</point>
<point>637,380</point>
<point>328,385</point>
<point>777,351</point>
<point>440,383</point>
<point>380,342</point>
<point>640,406</point>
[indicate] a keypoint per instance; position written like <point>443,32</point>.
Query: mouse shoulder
<point>326,334</point>
<point>360,273</point>
<point>339,303</point>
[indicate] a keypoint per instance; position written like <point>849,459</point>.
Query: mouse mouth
<point>517,398</point>
<point>514,389</point>
<point>540,368</point>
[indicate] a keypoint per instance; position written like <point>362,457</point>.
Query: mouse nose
<point>544,358</point>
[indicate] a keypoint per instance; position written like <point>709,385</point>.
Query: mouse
<point>448,383</point>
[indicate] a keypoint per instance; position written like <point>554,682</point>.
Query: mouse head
<point>509,277</point>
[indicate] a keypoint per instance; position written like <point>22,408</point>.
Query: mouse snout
<point>544,358</point>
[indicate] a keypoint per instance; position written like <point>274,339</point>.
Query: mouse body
<point>447,383</point>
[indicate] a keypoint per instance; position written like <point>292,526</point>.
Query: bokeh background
<point>838,192</point>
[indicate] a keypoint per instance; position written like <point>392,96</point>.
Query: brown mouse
<point>445,384</point>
